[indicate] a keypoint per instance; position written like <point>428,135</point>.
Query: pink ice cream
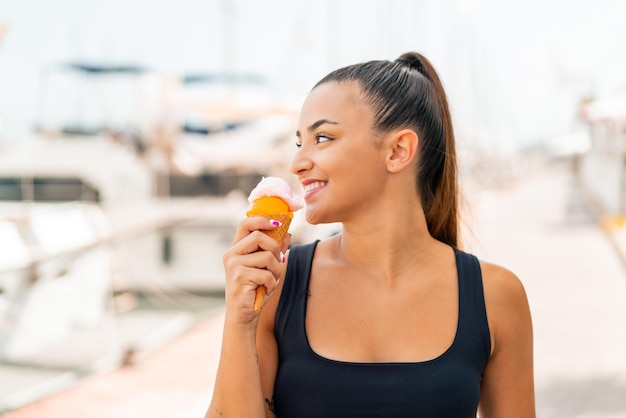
<point>277,187</point>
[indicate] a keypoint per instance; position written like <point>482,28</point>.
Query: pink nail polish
<point>284,259</point>
<point>275,222</point>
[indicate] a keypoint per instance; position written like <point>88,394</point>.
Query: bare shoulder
<point>508,382</point>
<point>501,286</point>
<point>506,301</point>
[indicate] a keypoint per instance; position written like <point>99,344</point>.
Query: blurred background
<point>131,133</point>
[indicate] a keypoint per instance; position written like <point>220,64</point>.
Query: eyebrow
<point>317,124</point>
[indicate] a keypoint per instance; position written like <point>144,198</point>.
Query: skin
<point>368,283</point>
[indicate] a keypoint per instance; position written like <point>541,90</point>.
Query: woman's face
<point>338,162</point>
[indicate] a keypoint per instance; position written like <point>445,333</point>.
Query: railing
<point>176,215</point>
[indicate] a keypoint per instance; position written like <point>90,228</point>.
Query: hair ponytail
<point>441,209</point>
<point>409,93</point>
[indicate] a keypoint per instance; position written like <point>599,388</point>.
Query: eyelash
<point>322,135</point>
<point>317,139</point>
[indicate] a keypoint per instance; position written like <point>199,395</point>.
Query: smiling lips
<point>313,186</point>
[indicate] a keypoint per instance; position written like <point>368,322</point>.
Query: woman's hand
<point>255,259</point>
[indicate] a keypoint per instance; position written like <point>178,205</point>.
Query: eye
<point>298,142</point>
<point>322,137</point>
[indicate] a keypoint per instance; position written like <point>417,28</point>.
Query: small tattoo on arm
<point>270,405</point>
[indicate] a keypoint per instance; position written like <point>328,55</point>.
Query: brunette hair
<point>407,93</point>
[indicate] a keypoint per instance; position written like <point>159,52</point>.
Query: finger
<point>262,260</point>
<point>286,243</point>
<point>249,225</point>
<point>257,241</point>
<point>271,283</point>
<point>247,279</point>
<point>243,268</point>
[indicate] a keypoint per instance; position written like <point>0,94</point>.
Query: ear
<point>402,150</point>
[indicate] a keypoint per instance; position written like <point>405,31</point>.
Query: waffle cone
<point>278,234</point>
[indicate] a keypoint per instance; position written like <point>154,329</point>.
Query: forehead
<point>341,102</point>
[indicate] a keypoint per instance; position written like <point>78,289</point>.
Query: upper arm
<point>267,347</point>
<point>507,389</point>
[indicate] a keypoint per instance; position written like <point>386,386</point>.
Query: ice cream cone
<point>278,235</point>
<point>273,200</point>
<point>280,232</point>
<point>260,207</point>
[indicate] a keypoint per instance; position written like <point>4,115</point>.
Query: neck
<point>385,244</point>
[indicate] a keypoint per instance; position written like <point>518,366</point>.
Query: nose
<point>301,161</point>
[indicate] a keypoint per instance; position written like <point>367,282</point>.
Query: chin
<point>314,217</point>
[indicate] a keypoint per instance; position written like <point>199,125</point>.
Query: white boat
<point>92,219</point>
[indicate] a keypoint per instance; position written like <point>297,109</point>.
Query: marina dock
<point>538,227</point>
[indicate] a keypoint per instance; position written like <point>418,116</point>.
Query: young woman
<point>388,318</point>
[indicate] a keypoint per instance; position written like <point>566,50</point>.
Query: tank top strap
<point>292,304</point>
<point>472,311</point>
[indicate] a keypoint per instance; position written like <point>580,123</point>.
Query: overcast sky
<point>514,70</point>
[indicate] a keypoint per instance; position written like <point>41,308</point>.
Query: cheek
<point>358,169</point>
<point>343,166</point>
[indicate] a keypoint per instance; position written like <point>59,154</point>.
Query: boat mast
<point>229,39</point>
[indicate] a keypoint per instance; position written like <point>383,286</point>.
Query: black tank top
<point>308,385</point>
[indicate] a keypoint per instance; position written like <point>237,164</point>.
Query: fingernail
<point>282,257</point>
<point>275,222</point>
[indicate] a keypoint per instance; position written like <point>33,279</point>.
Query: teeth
<point>314,185</point>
